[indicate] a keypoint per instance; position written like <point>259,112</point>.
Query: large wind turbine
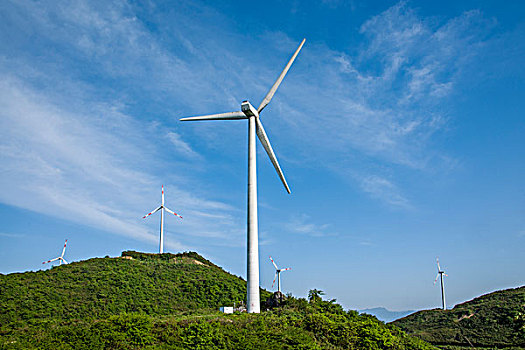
<point>60,258</point>
<point>440,275</point>
<point>162,208</point>
<point>278,275</point>
<point>254,127</point>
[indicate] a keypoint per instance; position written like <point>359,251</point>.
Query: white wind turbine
<point>60,258</point>
<point>162,208</point>
<point>278,275</point>
<point>255,127</point>
<point>441,274</point>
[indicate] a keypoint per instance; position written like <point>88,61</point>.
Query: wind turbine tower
<point>440,275</point>
<point>60,258</point>
<point>278,275</point>
<point>255,127</point>
<point>162,208</point>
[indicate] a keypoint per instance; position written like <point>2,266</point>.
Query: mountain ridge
<point>386,315</point>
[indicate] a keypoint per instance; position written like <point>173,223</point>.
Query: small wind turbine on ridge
<point>162,208</point>
<point>60,258</point>
<point>278,275</point>
<point>254,127</point>
<point>440,275</point>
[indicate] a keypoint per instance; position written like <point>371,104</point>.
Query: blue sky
<point>400,130</point>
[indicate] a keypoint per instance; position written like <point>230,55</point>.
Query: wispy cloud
<point>303,224</point>
<point>78,151</point>
<point>384,190</point>
<point>265,238</point>
<point>66,164</point>
<point>382,103</point>
<point>384,100</point>
<point>12,235</point>
<point>72,148</point>
<point>181,146</point>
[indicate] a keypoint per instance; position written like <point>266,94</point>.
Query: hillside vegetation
<point>152,284</point>
<point>495,320</point>
<point>152,301</point>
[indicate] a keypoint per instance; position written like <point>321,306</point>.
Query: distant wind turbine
<point>255,127</point>
<point>162,208</point>
<point>278,275</point>
<point>60,258</point>
<point>440,275</point>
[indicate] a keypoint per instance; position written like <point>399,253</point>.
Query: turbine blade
<point>55,259</point>
<point>274,279</point>
<point>172,212</point>
<point>436,278</point>
<point>286,269</point>
<point>261,134</point>
<point>439,268</point>
<point>270,93</point>
<point>64,260</point>
<point>64,250</point>
<point>221,116</point>
<point>273,262</point>
<point>153,212</point>
<point>162,202</point>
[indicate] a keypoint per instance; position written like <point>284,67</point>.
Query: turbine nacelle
<point>248,109</point>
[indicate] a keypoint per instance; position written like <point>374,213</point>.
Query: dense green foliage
<point>495,320</point>
<point>297,325</point>
<point>151,301</point>
<point>161,285</point>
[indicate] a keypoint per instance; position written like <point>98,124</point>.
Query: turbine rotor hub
<point>248,109</point>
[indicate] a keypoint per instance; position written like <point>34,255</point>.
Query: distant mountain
<point>170,301</point>
<point>385,315</point>
<point>495,320</point>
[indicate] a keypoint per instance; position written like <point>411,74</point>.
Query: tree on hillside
<point>314,295</point>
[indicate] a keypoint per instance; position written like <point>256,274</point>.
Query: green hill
<point>495,320</point>
<point>147,283</point>
<point>170,301</point>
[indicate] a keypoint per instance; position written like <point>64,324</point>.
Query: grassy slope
<point>169,302</point>
<point>493,320</point>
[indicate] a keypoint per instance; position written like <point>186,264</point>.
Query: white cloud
<point>181,146</point>
<point>384,190</point>
<point>303,224</point>
<point>12,235</point>
<point>75,149</point>
<point>381,104</point>
<point>385,99</point>
<point>66,164</point>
